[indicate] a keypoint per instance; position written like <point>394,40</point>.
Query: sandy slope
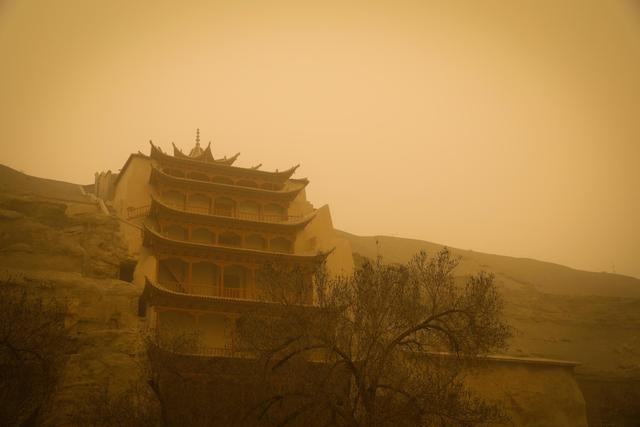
<point>17,183</point>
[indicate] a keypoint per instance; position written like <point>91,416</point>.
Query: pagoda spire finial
<point>198,136</point>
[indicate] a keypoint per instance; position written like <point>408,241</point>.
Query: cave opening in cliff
<point>126,270</point>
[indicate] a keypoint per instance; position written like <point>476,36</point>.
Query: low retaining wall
<point>533,392</point>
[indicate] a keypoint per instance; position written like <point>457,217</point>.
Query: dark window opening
<point>126,271</point>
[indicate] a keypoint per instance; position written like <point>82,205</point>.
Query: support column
<point>188,281</point>
<point>221,281</point>
<point>253,288</point>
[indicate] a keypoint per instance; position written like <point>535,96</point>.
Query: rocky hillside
<point>17,183</point>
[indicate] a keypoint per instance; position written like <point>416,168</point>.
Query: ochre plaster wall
<point>131,235</point>
<point>300,205</point>
<point>320,235</point>
<point>133,189</point>
<point>103,186</point>
<point>146,267</point>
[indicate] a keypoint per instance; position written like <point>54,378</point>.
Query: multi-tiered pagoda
<point>201,227</point>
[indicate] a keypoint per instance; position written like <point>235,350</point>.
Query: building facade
<point>200,228</point>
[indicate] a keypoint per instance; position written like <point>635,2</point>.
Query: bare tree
<point>33,347</point>
<point>387,346</point>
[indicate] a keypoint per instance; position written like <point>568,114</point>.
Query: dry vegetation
<point>560,313</point>
<point>34,344</point>
<point>388,346</point>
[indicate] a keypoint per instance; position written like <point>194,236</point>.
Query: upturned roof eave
<point>156,295</point>
<point>151,237</point>
<point>221,166</point>
<point>287,195</point>
<point>284,226</point>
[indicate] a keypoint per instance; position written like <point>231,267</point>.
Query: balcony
<point>223,352</point>
<point>233,213</point>
<point>137,212</point>
<point>216,291</point>
<point>223,292</point>
<point>244,293</point>
<point>143,211</point>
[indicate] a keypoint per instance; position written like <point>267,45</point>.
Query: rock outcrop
<point>37,234</point>
<point>74,258</point>
<point>103,323</point>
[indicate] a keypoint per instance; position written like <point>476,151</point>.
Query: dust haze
<point>150,276</point>
<point>501,127</point>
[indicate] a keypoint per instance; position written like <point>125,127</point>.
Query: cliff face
<point>41,234</point>
<point>68,251</point>
<point>108,350</point>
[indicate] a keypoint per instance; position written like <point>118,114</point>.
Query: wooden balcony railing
<point>243,293</point>
<point>226,292</point>
<point>217,291</point>
<point>139,212</point>
<point>231,213</point>
<point>224,352</point>
<point>317,356</point>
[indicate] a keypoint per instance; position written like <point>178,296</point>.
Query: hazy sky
<point>509,127</point>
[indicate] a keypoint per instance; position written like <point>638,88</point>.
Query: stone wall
<point>533,392</point>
